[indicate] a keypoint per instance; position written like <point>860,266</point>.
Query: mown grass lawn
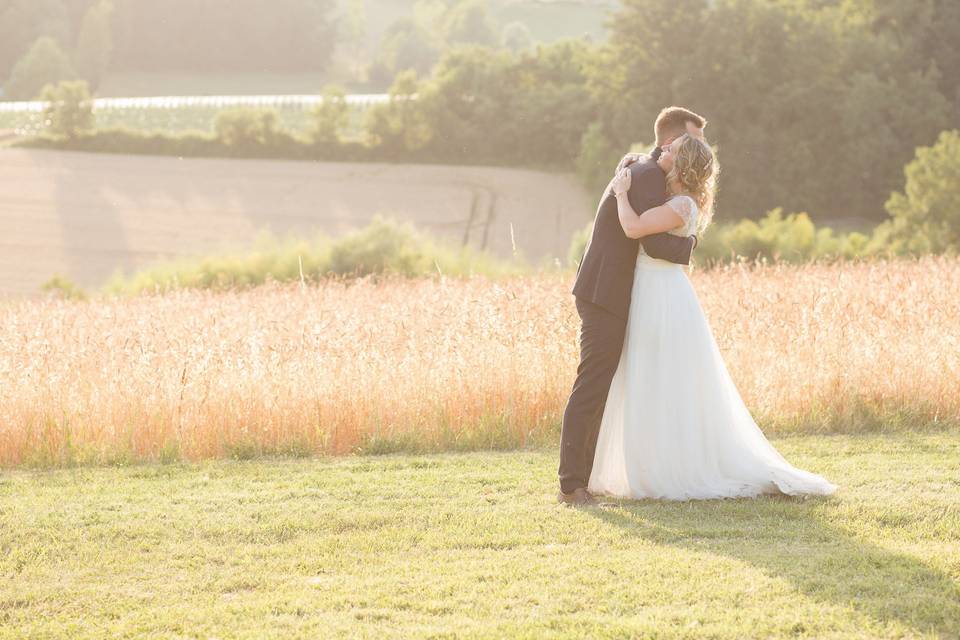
<point>472,545</point>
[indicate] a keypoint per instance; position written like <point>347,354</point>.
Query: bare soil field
<point>86,215</point>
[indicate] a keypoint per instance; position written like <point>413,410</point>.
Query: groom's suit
<point>602,289</point>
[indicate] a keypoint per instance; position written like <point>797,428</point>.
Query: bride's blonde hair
<point>695,171</point>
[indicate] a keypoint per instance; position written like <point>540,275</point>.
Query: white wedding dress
<point>674,426</point>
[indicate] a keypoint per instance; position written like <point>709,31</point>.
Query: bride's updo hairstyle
<point>695,172</point>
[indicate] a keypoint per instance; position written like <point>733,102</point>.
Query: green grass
<point>472,545</point>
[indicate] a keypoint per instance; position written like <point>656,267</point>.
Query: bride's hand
<point>627,160</point>
<point>621,181</point>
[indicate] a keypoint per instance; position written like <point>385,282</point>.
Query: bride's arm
<point>651,221</point>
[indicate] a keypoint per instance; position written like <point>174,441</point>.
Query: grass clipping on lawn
<point>448,363</point>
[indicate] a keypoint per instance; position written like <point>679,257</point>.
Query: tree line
<point>814,105</point>
<point>85,38</point>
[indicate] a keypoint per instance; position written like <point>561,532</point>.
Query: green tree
<point>810,114</point>
<point>330,116</point>
<point>22,22</point>
<point>486,105</point>
<point>45,63</point>
<point>916,35</point>
<point>650,42</point>
<point>882,120</point>
<point>69,110</point>
<point>516,37</point>
<point>467,22</point>
<point>598,157</point>
<point>926,215</point>
<point>406,45</point>
<point>95,43</point>
<point>352,33</point>
<point>399,126</point>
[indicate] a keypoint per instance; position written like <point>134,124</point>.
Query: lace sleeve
<point>683,206</point>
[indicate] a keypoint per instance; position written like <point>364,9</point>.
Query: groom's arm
<point>646,192</point>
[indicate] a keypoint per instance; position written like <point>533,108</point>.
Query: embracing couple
<point>653,412</point>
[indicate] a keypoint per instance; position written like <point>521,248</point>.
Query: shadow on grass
<point>786,538</point>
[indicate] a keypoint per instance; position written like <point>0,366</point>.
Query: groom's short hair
<point>672,123</point>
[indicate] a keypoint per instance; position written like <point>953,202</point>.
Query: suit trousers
<point>601,341</point>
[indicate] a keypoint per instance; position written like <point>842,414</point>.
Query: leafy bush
<point>790,238</point>
<point>124,140</point>
<point>383,247</point>
<point>247,127</point>
<point>64,288</point>
<point>69,110</point>
<point>775,237</point>
<point>387,246</point>
<point>926,215</point>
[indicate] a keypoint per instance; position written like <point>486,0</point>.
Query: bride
<point>674,426</point>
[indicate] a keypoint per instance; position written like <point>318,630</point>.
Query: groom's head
<point>673,122</point>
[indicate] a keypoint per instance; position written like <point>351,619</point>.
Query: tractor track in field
<point>86,215</point>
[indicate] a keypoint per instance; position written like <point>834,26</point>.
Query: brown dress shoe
<point>577,498</point>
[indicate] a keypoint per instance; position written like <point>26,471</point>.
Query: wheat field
<point>448,364</point>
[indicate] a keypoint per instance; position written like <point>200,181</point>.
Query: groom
<point>602,290</point>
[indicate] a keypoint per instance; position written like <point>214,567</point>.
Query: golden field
<point>418,365</point>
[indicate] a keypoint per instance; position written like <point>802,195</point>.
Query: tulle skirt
<point>674,426</point>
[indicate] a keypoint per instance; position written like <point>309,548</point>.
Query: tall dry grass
<point>435,364</point>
